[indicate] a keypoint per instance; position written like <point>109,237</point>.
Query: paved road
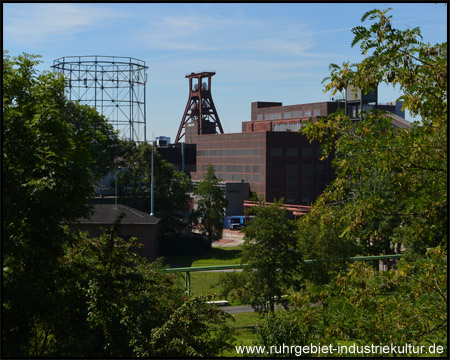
<point>237,309</point>
<point>242,308</point>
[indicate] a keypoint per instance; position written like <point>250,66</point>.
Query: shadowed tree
<point>211,205</point>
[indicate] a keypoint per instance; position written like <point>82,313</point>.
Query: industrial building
<point>269,154</point>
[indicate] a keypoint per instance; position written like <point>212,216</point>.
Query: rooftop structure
<point>135,224</point>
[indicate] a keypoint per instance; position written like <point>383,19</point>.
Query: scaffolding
<point>114,85</point>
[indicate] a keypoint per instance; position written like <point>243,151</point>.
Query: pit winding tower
<point>200,106</point>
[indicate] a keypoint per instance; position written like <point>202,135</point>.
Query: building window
<point>291,198</point>
<point>288,115</point>
<point>275,151</point>
<point>307,112</point>
<point>307,170</point>
<point>306,199</point>
<point>317,112</point>
<point>260,116</point>
<point>286,127</point>
<point>307,153</point>
<point>291,152</point>
<point>279,127</point>
<point>307,190</point>
<point>272,116</point>
<point>291,175</point>
<point>233,168</point>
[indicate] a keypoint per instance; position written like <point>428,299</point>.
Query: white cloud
<point>181,35</point>
<point>36,23</point>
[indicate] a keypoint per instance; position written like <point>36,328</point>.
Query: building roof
<point>108,213</point>
<point>399,121</point>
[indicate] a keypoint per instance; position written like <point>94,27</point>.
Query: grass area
<point>216,256</point>
<point>245,330</point>
<point>207,282</point>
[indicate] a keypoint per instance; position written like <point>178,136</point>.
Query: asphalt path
<point>237,309</point>
<point>243,308</point>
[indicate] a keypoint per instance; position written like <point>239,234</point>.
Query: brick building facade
<point>269,153</point>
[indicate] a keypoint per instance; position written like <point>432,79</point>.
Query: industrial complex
<point>269,157</point>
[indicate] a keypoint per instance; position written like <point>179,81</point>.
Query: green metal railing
<point>188,270</point>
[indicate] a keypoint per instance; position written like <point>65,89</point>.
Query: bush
<point>285,331</point>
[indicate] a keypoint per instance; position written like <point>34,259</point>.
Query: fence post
<point>187,283</point>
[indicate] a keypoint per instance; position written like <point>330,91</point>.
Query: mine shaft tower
<point>200,106</point>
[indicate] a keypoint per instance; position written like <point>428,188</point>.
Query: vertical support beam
<point>187,283</point>
<point>152,184</point>
<point>182,156</point>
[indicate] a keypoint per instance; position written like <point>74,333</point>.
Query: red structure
<point>297,210</point>
<point>200,107</point>
<point>269,153</point>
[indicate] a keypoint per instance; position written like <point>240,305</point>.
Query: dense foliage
<point>64,294</point>
<point>53,152</point>
<point>389,195</point>
<point>171,187</point>
<point>270,250</point>
<point>211,205</point>
<point>403,305</point>
<point>391,183</point>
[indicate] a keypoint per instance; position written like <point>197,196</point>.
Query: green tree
<point>65,294</point>
<point>319,239</point>
<point>53,152</point>
<point>287,328</point>
<point>398,176</point>
<point>211,205</point>
<point>116,304</point>
<point>390,188</point>
<point>111,299</point>
<point>403,305</point>
<point>270,250</point>
<point>171,187</point>
<point>195,329</point>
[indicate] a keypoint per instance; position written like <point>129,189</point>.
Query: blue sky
<point>260,52</point>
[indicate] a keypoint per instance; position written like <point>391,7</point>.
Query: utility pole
<point>152,184</point>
